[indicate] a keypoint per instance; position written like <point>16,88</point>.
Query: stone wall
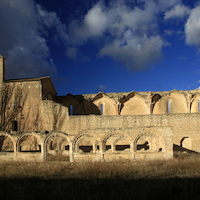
<point>183,125</point>
<point>89,145</point>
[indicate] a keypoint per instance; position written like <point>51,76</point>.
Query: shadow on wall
<point>180,152</point>
<point>78,105</point>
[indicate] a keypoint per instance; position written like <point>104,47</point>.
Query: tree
<point>11,105</point>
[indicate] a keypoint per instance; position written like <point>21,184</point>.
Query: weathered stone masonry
<point>134,125</point>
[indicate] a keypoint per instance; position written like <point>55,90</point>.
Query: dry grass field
<point>168,179</point>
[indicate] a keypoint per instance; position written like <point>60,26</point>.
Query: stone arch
<point>74,105</point>
<point>134,104</point>
<point>186,143</point>
<point>154,99</point>
<point>7,143</point>
<point>85,146</point>
<point>29,142</point>
<point>195,106</point>
<point>55,144</point>
<point>149,141</point>
<point>177,103</point>
<point>113,138</point>
<point>122,144</point>
<point>84,143</point>
<point>102,101</point>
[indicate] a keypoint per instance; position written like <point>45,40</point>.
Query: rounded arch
<point>86,141</point>
<point>149,141</point>
<point>59,134</point>
<point>135,105</point>
<point>116,132</point>
<point>7,143</point>
<point>30,142</point>
<point>85,145</point>
<point>174,102</point>
<point>122,144</point>
<point>57,143</point>
<point>114,137</point>
<point>186,143</point>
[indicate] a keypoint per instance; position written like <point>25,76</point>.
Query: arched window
<point>199,105</point>
<point>71,109</point>
<point>102,109</point>
<point>168,106</point>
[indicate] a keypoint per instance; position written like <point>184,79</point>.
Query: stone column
<point>71,158</point>
<point>148,102</point>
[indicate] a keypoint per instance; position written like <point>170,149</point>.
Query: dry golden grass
<point>153,179</point>
<point>181,167</point>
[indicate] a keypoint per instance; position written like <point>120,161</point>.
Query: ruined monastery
<point>36,123</point>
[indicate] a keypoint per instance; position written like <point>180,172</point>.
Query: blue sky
<point>110,46</point>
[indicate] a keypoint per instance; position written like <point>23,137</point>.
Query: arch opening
<point>122,145</point>
<point>85,146</point>
<point>186,143</point>
<point>29,143</point>
<point>149,142</point>
<point>6,144</point>
<point>57,148</point>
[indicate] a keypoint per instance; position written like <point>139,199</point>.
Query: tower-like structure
<point>2,69</point>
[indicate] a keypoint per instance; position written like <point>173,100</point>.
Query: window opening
<point>67,148</point>
<point>168,107</point>
<point>102,109</point>
<point>14,125</point>
<point>86,149</point>
<point>122,147</point>
<point>6,145</point>
<point>143,146</point>
<point>199,105</point>
<point>108,147</point>
<point>71,109</point>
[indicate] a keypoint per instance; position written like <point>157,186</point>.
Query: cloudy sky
<point>110,46</point>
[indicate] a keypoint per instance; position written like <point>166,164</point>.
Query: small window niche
<point>101,109</point>
<point>168,107</point>
<point>71,109</point>
<point>14,125</point>
<point>198,105</point>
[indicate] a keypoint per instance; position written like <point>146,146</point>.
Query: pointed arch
<point>105,104</point>
<point>195,106</point>
<point>176,100</point>
<point>134,104</point>
<point>74,105</point>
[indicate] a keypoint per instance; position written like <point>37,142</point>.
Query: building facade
<point>36,123</point>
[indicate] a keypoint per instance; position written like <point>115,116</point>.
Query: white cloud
<point>192,27</point>
<point>102,88</point>
<point>22,43</point>
<point>128,34</point>
<point>137,54</point>
<point>178,11</point>
<point>93,24</point>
